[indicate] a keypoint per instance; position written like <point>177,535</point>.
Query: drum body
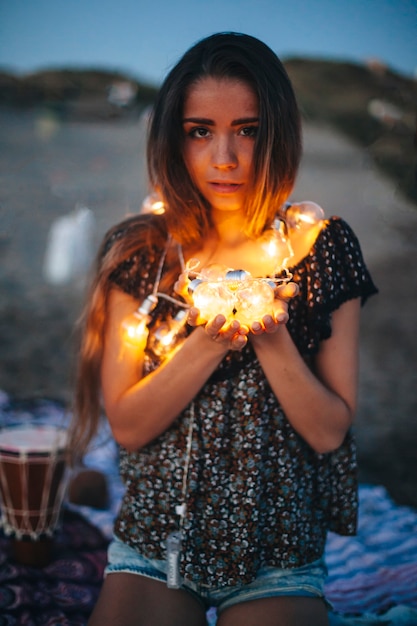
<point>32,479</point>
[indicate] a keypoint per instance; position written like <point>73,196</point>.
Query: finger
<point>193,317</point>
<point>269,323</point>
<point>287,291</point>
<point>231,334</point>
<point>217,323</point>
<point>214,326</point>
<point>280,312</point>
<point>239,342</point>
<point>257,328</point>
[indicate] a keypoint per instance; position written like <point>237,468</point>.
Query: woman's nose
<point>224,154</point>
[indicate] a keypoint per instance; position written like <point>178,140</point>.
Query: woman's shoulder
<point>310,232</point>
<point>338,229</point>
<point>334,236</point>
<point>129,251</point>
<point>337,262</point>
<point>338,243</point>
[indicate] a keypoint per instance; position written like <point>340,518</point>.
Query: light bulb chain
<point>161,266</point>
<point>160,294</point>
<point>181,509</point>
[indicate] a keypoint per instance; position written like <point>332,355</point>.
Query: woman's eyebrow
<point>208,122</point>
<point>245,120</point>
<point>198,120</point>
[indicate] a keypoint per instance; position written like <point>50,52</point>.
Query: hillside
<point>76,94</point>
<point>370,104</point>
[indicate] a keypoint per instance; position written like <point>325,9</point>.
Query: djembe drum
<point>32,486</point>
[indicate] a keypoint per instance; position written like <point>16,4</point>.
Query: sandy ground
<point>47,167</point>
<point>343,180</point>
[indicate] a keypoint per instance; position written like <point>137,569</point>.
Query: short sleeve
<point>338,270</point>
<point>134,275</point>
<point>331,274</point>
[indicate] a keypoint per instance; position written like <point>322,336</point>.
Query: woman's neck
<point>234,250</point>
<point>228,229</point>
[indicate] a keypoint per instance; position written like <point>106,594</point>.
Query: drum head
<point>32,439</point>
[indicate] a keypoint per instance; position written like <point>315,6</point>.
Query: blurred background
<point>77,81</point>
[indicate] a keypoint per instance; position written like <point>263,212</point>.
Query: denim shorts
<point>307,580</point>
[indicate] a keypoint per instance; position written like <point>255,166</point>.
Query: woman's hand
<point>232,335</point>
<point>236,334</point>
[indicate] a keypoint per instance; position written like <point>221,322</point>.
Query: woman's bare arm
<point>141,408</point>
<point>319,403</point>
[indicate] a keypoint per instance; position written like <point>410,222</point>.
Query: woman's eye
<point>249,131</point>
<point>199,133</point>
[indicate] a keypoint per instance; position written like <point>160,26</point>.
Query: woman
<point>236,448</point>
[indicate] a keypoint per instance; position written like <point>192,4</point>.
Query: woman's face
<point>220,122</point>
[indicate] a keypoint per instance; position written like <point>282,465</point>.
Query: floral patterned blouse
<point>257,493</point>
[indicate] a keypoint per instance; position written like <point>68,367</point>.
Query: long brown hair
<point>118,245</point>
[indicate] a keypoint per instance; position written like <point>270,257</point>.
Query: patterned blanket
<point>64,591</point>
<point>372,577</point>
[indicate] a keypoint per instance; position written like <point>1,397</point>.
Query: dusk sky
<point>145,38</point>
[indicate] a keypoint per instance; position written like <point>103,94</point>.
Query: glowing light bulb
<point>236,296</point>
<point>212,298</point>
<point>135,326</point>
<point>166,336</point>
<point>254,300</point>
<point>153,203</point>
<point>235,293</point>
<point>276,245</point>
<point>303,215</point>
<point>215,271</point>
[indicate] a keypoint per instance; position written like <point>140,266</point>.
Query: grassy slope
<point>340,94</point>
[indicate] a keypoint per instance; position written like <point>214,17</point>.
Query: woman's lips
<point>225,187</point>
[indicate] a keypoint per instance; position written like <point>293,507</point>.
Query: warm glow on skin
<point>134,334</point>
<point>220,122</point>
<point>303,241</point>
